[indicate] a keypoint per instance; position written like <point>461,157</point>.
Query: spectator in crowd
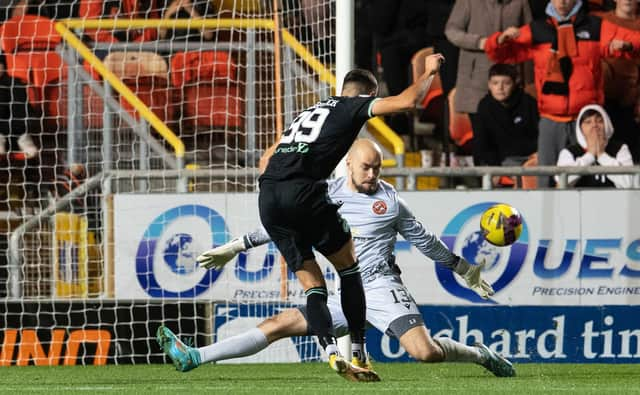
<point>507,121</point>
<point>468,27</point>
<point>67,180</point>
<point>595,147</point>
<point>54,9</point>
<point>7,9</point>
<point>622,81</point>
<point>399,30</point>
<point>120,9</point>
<point>311,22</point>
<point>566,49</point>
<point>317,15</point>
<point>363,47</point>
<point>438,12</point>
<point>537,8</point>
<point>187,9</point>
<point>18,119</point>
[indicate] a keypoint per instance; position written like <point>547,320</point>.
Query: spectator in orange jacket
<point>622,81</point>
<point>566,49</point>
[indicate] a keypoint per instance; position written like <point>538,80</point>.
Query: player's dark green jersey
<point>318,138</point>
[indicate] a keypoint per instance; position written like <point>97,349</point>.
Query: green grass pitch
<point>312,378</point>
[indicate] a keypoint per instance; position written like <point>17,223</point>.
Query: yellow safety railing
<point>379,129</point>
<point>325,74</point>
<point>122,89</point>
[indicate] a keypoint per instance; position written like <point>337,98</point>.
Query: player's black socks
<point>354,307</point>
<point>319,318</point>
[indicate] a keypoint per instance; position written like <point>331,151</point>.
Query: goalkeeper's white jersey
<point>375,222</point>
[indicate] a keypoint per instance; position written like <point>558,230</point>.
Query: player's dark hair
<point>589,113</point>
<point>361,79</point>
<point>503,69</point>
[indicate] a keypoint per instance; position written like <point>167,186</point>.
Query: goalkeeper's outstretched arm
<point>431,246</point>
<point>217,257</point>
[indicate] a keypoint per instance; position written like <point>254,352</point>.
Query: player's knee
<point>288,323</point>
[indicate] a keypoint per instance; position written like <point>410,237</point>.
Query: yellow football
<point>501,225</point>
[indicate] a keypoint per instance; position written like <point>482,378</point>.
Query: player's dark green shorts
<point>298,215</point>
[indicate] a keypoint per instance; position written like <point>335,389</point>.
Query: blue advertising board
<point>577,334</point>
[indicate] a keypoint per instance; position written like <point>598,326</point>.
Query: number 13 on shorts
<point>400,295</point>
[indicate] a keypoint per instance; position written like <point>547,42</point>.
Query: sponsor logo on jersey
<point>379,207</point>
<point>300,148</point>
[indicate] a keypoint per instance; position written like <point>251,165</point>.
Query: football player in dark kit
<point>298,214</point>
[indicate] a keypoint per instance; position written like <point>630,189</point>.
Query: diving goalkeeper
<point>376,215</point>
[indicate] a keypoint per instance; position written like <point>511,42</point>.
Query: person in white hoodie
<point>595,147</point>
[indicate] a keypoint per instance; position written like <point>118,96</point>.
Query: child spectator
<point>469,25</point>
<point>507,127</point>
<point>595,147</point>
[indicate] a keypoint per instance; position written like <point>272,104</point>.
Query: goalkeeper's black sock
<point>319,318</point>
<point>354,307</point>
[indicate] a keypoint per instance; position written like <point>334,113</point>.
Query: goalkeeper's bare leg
<point>421,346</point>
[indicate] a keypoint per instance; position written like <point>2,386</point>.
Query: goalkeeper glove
<point>471,274</point>
<point>217,257</point>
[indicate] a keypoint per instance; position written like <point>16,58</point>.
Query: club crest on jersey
<point>379,207</point>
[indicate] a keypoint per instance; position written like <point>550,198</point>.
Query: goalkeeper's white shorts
<point>390,308</point>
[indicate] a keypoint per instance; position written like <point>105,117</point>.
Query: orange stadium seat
<point>530,182</point>
<point>50,86</point>
<point>460,128</point>
<point>29,43</point>
<point>25,38</point>
<point>207,83</point>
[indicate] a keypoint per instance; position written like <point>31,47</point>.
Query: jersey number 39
<point>306,127</point>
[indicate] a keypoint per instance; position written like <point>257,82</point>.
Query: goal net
<point>131,136</point>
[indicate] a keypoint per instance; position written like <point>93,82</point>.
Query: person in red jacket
<point>566,48</point>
